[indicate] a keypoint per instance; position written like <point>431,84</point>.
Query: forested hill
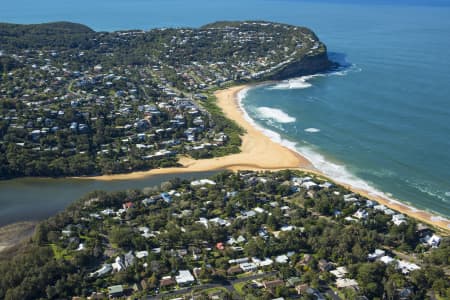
<point>61,34</point>
<point>78,102</point>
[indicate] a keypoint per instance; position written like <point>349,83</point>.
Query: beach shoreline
<point>260,153</point>
<point>257,149</point>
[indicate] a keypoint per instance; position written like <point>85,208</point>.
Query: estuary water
<point>382,122</point>
<point>34,199</point>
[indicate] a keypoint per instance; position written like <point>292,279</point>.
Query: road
<point>226,284</point>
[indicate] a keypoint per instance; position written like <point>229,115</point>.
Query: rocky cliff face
<point>307,65</point>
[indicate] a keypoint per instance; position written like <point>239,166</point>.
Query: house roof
<point>234,270</point>
<point>345,283</point>
<point>115,289</point>
<point>273,283</point>
<point>184,277</point>
<point>167,281</point>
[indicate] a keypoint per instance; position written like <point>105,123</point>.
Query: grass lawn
<point>60,253</point>
<point>239,286</point>
<point>197,292</point>
<point>243,275</point>
<point>215,290</point>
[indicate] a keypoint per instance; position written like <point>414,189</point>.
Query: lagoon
<point>35,199</point>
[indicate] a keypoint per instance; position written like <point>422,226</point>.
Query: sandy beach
<point>259,152</point>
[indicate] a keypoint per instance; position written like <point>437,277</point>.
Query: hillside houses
<point>89,111</point>
<point>187,243</point>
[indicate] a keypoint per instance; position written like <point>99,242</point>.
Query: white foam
<point>336,171</point>
<point>274,136</point>
<point>295,83</point>
<point>275,114</point>
<point>430,189</point>
<point>312,130</point>
<point>303,82</point>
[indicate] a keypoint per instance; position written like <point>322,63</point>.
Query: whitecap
<point>274,114</point>
<point>336,171</point>
<point>294,83</point>
<point>429,188</point>
<point>312,130</point>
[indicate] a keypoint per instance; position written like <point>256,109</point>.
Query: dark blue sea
<point>382,122</point>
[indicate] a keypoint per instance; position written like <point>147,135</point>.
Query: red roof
<point>220,246</point>
<point>128,205</point>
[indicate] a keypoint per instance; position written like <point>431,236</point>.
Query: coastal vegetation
<point>236,235</point>
<point>78,102</point>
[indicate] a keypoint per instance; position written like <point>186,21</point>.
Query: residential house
<point>248,267</point>
<point>167,281</point>
<point>325,265</point>
<point>115,291</point>
<point>376,254</point>
<point>272,284</point>
<point>339,272</point>
<point>343,283</point>
<point>184,278</point>
<point>432,240</point>
<point>233,270</point>
<point>399,219</point>
<point>282,259</point>
<point>106,268</point>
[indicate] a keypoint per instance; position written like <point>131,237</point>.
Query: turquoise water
<point>382,123</point>
<point>386,118</point>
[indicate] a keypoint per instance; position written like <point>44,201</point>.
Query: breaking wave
<point>274,114</point>
<point>312,130</point>
<point>295,83</point>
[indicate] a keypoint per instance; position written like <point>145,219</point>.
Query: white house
<point>398,219</point>
<point>433,240</point>
<point>247,267</point>
<point>118,265</point>
<point>184,278</point>
<point>287,228</point>
<point>106,268</point>
<point>202,182</point>
<point>238,260</point>
<point>282,259</point>
<point>376,254</point>
<point>346,283</point>
<point>406,266</point>
<point>340,272</point>
<point>386,259</point>
<point>361,214</point>
<point>308,185</point>
<point>141,254</point>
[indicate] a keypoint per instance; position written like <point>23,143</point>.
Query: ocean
<point>381,122</point>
